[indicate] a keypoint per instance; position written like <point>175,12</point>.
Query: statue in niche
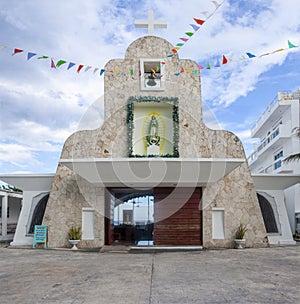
<point>151,80</point>
<point>152,137</point>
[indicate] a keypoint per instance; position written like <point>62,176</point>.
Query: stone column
<point>4,214</point>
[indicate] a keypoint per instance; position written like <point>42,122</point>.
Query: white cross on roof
<point>151,24</point>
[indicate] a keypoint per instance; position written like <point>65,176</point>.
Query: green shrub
<point>74,233</point>
<point>240,233</point>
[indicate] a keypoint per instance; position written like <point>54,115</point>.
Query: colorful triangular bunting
<point>250,55</point>
<point>216,4</point>
<point>199,21</point>
<point>17,51</point>
<point>291,45</point>
<point>60,62</point>
<point>80,68</point>
<point>190,34</point>
<point>30,55</point>
<point>195,27</point>
<point>53,64</point>
<point>71,64</point>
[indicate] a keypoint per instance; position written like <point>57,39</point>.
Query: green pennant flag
<point>179,44</point>
<point>60,62</point>
<point>190,34</point>
<point>291,45</point>
<point>43,57</point>
<point>131,72</point>
<point>208,66</point>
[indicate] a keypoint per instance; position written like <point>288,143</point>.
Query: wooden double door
<point>177,217</point>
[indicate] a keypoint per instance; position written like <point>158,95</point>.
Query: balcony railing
<point>281,131</point>
<point>281,96</point>
<point>277,166</point>
<point>268,140</point>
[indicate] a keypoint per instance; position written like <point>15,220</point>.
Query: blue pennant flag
<point>71,64</point>
<point>250,55</point>
<point>217,64</point>
<point>195,27</point>
<point>30,55</point>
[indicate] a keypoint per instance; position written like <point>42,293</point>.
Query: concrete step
<point>157,249</point>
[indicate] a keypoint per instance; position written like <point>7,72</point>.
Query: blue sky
<point>40,107</point>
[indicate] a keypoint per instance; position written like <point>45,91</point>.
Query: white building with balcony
<point>277,130</point>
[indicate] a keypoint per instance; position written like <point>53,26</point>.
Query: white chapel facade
<point>153,143</point>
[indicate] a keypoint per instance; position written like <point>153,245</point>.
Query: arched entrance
<point>268,214</point>
<point>37,212</point>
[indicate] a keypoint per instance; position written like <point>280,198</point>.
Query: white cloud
<point>40,107</point>
<point>17,155</point>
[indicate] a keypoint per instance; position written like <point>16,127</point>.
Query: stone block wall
<point>235,192</point>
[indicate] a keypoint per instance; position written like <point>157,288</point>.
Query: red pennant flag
<point>174,51</point>
<point>199,21</point>
<point>16,51</point>
<point>224,60</point>
<point>182,70</point>
<point>79,68</point>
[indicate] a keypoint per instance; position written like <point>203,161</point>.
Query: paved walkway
<point>34,276</point>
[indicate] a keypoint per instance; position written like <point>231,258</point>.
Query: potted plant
<point>74,235</point>
<point>239,236</point>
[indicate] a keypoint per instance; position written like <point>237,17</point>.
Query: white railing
<point>281,131</point>
<point>277,166</point>
<point>279,97</point>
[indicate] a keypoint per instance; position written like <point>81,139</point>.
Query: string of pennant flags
<point>224,60</point>
<point>80,67</point>
<point>196,26</point>
<point>58,63</point>
<point>219,62</point>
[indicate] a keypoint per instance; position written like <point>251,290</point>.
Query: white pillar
<point>4,215</point>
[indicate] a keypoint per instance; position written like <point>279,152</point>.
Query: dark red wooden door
<point>177,216</point>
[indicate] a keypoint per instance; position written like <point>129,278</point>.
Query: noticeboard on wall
<point>40,235</point>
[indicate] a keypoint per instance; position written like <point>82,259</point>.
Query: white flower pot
<point>239,243</point>
<point>74,243</point>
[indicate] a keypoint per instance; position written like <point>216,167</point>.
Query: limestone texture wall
<point>235,192</point>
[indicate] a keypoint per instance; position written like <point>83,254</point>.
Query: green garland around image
<point>130,123</point>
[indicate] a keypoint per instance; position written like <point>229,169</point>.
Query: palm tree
<point>294,157</point>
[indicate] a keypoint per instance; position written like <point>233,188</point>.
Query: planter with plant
<point>74,235</point>
<point>239,237</point>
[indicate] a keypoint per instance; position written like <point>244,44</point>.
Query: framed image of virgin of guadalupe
<point>152,126</point>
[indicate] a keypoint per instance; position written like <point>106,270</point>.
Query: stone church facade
<point>230,198</point>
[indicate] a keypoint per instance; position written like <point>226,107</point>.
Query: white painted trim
<point>165,172</point>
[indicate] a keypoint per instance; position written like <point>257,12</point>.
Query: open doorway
<point>129,217</point>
